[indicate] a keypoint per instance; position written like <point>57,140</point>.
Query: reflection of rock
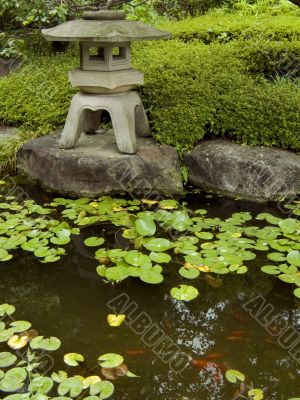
<point>253,172</point>
<point>96,167</point>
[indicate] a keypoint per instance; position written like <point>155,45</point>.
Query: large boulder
<point>253,172</point>
<point>96,167</point>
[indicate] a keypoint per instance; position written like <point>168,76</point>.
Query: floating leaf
<point>73,385</point>
<point>13,380</point>
<point>270,269</point>
<point>51,344</point>
<point>297,293</point>
<point>94,241</point>
<point>17,342</point>
<point>158,245</point>
<point>20,326</point>
<point>145,226</point>
<point>184,293</point>
<point>41,385</point>
<point>115,320</point>
<point>151,276</point>
<point>110,360</point>
<point>294,257</point>
<point>59,376</point>
<point>233,376</point>
<point>90,380</point>
<point>6,309</point>
<point>160,257</point>
<point>189,273</point>
<point>73,359</point>
<point>7,359</point>
<point>256,394</point>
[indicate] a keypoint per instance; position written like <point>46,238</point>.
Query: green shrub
<point>37,96</point>
<point>222,27</point>
<point>196,90</point>
<point>191,91</point>
<point>270,59</point>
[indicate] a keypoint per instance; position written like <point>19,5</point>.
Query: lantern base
<point>127,114</point>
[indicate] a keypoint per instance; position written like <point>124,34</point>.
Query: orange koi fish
<point>135,352</point>
<point>214,356</point>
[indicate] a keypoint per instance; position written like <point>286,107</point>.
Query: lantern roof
<point>104,27</point>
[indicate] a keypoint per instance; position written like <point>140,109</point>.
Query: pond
<point>217,331</point>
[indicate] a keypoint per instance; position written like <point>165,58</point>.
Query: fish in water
<point>240,316</point>
<point>239,394</point>
<point>235,339</point>
<point>135,352</point>
<point>214,356</point>
<point>239,333</point>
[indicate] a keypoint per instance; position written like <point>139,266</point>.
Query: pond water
<point>68,299</point>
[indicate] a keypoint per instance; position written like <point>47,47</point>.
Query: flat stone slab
<point>253,172</point>
<point>95,166</point>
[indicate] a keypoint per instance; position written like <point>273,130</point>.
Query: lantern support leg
<point>126,111</point>
<point>142,125</point>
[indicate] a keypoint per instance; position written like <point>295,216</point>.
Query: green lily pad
<point>160,257</point>
<point>6,309</point>
<point>189,273</point>
<point>110,360</point>
<point>94,241</point>
<point>151,276</point>
<point>184,293</point>
<point>145,226</point>
<point>73,386</point>
<point>294,257</point>
<point>20,326</point>
<point>158,245</point>
<point>233,376</point>
<point>41,385</point>
<point>13,380</point>
<point>297,293</point>
<point>73,359</point>
<point>51,344</point>
<point>270,269</point>
<point>7,359</point>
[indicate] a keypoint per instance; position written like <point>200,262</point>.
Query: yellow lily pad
<point>115,320</point>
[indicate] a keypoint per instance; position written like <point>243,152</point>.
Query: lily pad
<point>7,359</point>
<point>233,376</point>
<point>51,344</point>
<point>94,241</point>
<point>73,359</point>
<point>184,293</point>
<point>110,360</point>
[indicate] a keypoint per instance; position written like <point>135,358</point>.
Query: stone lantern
<point>105,77</point>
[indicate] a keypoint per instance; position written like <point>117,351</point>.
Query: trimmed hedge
<point>199,90</point>
<point>222,27</point>
<point>191,91</point>
<point>270,58</point>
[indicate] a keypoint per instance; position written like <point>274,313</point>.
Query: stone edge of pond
<point>255,173</point>
<point>95,167</point>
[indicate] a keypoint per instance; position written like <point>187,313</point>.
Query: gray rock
<point>96,167</point>
<point>252,172</point>
<point>7,65</point>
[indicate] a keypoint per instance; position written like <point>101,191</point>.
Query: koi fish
<point>239,333</point>
<point>240,392</point>
<point>235,339</point>
<point>241,317</point>
<point>135,352</point>
<point>270,340</point>
<point>214,356</point>
<point>202,364</point>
